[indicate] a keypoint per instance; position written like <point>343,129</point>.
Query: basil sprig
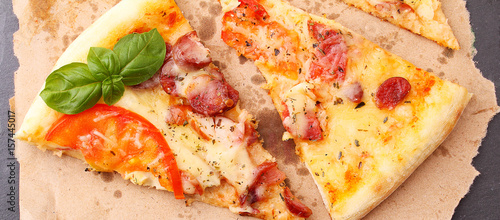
<point>75,87</point>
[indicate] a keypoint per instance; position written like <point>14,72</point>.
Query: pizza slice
<point>137,94</point>
<point>362,118</point>
<point>423,17</point>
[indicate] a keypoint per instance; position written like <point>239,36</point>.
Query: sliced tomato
<point>115,139</point>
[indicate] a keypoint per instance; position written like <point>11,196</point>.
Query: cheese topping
<point>366,150</point>
<point>300,102</point>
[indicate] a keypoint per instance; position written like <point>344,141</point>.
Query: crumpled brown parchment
<point>58,188</point>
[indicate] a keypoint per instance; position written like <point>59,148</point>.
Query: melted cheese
<point>426,17</point>
<point>186,81</point>
<point>200,157</point>
<point>366,151</point>
<point>223,156</point>
<point>299,101</point>
<point>225,152</point>
<point>228,5</point>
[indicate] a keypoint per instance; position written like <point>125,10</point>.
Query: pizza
<point>362,119</point>
<point>423,17</point>
<point>137,93</point>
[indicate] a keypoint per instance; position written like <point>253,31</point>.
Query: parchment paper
<point>59,188</point>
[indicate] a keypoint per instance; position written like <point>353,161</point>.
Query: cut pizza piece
<point>362,118</point>
<point>171,120</point>
<point>423,17</point>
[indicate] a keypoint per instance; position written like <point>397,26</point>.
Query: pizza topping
<point>76,87</point>
<point>299,114</point>
<point>169,76</point>
<point>266,174</point>
<point>156,80</point>
<point>190,54</point>
<point>330,54</point>
<point>190,183</point>
<point>225,148</point>
<point>391,92</point>
<point>115,139</point>
<point>353,92</point>
<point>185,75</point>
<point>390,7</point>
<point>178,115</point>
<point>210,96</point>
<point>249,29</point>
<point>295,206</point>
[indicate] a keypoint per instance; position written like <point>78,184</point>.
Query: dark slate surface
<point>482,202</point>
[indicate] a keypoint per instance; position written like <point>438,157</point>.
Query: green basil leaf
<point>141,55</point>
<point>103,63</point>
<point>112,89</point>
<point>71,89</point>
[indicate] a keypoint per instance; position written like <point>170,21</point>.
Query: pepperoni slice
<point>190,54</point>
<point>208,93</point>
<point>211,96</point>
<point>295,206</point>
<point>168,77</point>
<point>266,174</point>
<point>330,53</point>
<point>391,92</point>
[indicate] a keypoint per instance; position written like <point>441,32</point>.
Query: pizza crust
<point>366,152</point>
<point>426,18</point>
<point>127,17</point>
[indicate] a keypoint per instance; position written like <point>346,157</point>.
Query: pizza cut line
<point>181,130</point>
<point>362,118</point>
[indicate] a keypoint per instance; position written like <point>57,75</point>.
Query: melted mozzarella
<point>223,156</point>
<point>299,101</point>
<point>226,152</point>
<point>424,8</point>
<point>186,81</point>
<point>228,5</point>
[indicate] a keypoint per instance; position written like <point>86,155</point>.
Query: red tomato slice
<point>115,139</point>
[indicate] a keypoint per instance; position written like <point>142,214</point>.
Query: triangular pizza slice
<point>137,93</point>
<point>423,17</point>
<point>362,118</point>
